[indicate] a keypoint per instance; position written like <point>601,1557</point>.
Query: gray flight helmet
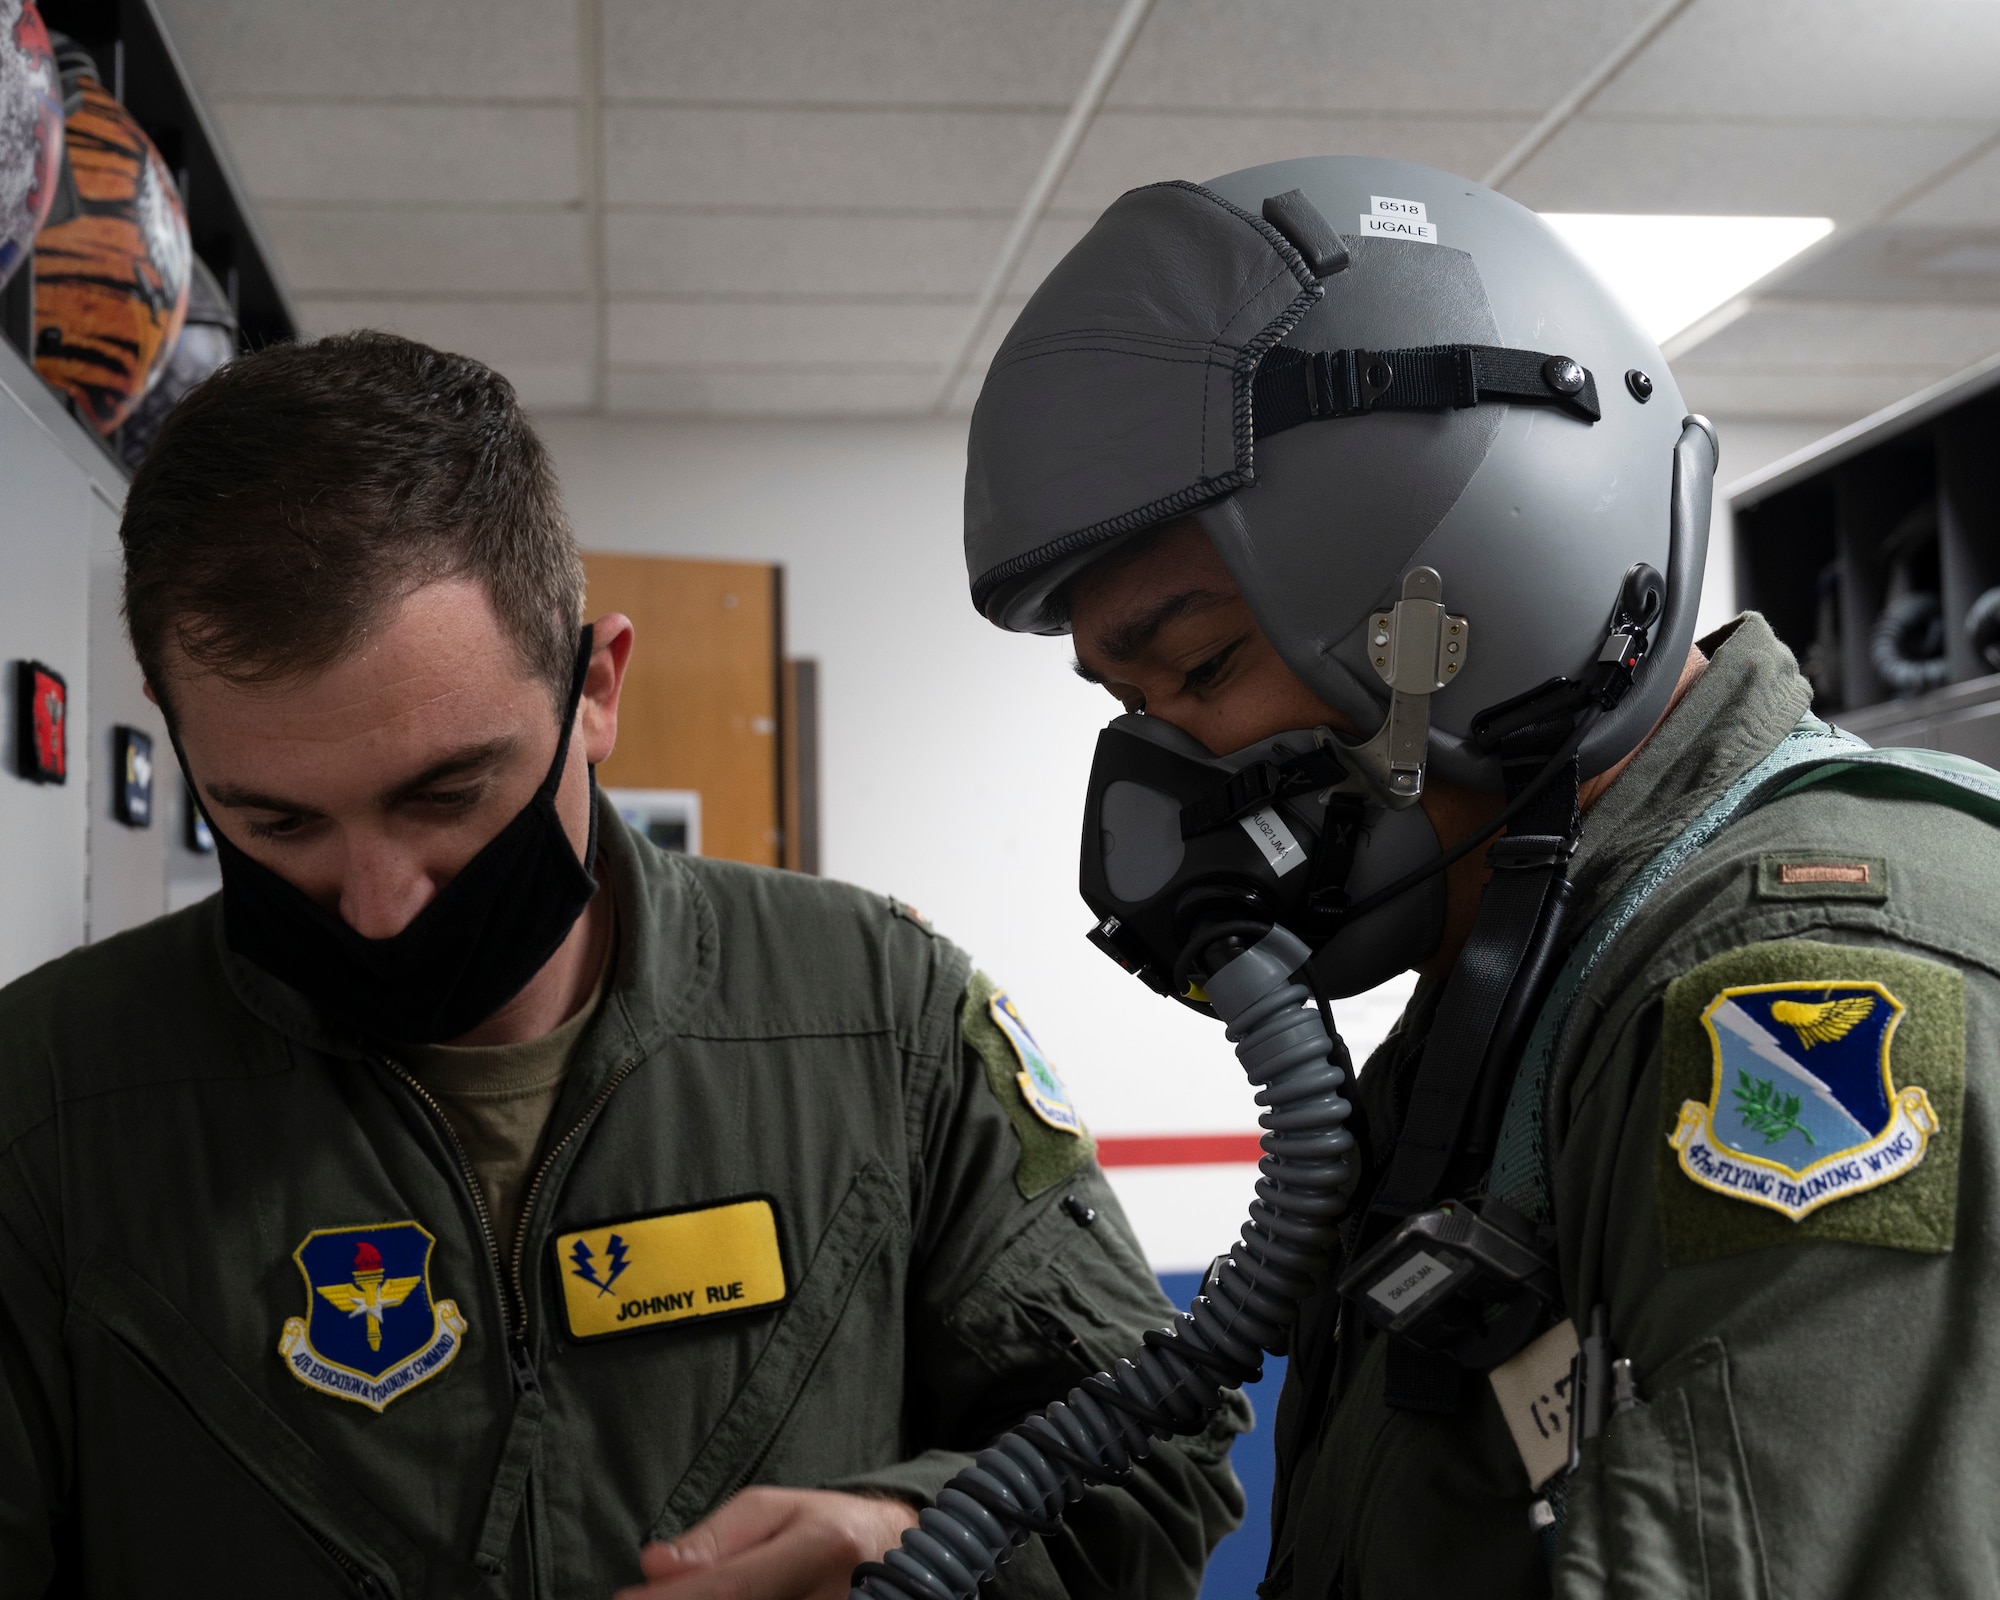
<point>1128,395</point>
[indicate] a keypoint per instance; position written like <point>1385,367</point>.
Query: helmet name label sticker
<point>1269,834</point>
<point>1390,218</point>
<point>1400,228</point>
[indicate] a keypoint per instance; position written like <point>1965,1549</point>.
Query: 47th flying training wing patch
<point>1811,1090</point>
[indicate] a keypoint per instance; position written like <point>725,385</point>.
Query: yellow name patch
<point>706,1262</point>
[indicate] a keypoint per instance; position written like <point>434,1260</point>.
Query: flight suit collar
<point>1747,699</point>
<point>668,950</point>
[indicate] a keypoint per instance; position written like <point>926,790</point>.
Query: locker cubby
<point>1875,555</point>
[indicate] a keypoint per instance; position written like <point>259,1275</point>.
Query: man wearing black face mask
<point>471,1197</point>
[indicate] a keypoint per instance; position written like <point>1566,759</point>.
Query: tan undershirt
<point>498,1098</point>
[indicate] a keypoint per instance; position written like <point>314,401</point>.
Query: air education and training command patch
<point>371,1332</point>
<point>1802,1076</point>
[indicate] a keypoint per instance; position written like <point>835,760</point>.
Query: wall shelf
<point>1869,553</point>
<point>136,59</point>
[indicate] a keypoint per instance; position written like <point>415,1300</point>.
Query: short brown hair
<point>304,489</point>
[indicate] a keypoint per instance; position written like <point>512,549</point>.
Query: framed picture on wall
<point>42,718</point>
<point>132,761</point>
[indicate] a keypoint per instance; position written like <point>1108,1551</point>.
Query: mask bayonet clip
<point>1416,648</point>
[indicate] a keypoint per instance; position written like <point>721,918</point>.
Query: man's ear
<point>610,648</point>
<point>148,687</point>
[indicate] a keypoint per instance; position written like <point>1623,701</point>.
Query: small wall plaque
<point>42,718</point>
<point>132,761</point>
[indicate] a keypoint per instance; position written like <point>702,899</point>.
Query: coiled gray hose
<point>1020,1484</point>
<point>1907,646</point>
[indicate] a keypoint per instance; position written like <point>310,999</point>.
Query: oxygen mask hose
<point>1021,1484</point>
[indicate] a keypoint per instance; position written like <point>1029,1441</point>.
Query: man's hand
<point>773,1544</point>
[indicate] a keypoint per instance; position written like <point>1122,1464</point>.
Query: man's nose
<point>382,889</point>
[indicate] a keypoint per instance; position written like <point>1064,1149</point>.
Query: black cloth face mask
<point>462,957</point>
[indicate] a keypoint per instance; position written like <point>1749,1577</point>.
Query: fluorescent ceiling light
<point>1670,272</point>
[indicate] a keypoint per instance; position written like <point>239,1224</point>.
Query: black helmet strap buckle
<point>1299,386</point>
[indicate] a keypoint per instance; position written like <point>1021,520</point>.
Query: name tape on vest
<point>674,1267</point>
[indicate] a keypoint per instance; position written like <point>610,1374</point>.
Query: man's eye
<point>1202,676</point>
<point>447,799</point>
<point>281,828</point>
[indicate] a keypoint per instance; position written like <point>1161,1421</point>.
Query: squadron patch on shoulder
<point>1039,1083</point>
<point>371,1331</point>
<point>1801,1076</point>
<point>1804,1109</point>
<point>1054,1141</point>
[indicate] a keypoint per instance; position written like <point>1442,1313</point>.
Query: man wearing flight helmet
<point>1387,528</point>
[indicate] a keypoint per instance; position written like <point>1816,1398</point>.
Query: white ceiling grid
<point>771,207</point>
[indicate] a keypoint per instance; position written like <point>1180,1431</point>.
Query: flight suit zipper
<point>508,1271</point>
<point>366,1584</point>
<point>503,1507</point>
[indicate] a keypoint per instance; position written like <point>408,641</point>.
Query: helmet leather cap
<point>1124,397</point>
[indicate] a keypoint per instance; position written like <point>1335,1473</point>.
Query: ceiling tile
<point>1132,148</point>
<point>451,155</point>
<point>965,393</point>
<point>1835,336</point>
<point>349,249</point>
<point>1353,55</point>
<point>730,334</point>
<point>553,385</point>
<point>672,391</point>
<point>703,252</point>
<point>1899,261</point>
<point>906,160</point>
<point>1832,397</point>
<point>1846,60</point>
<point>880,52</point>
<point>1755,169</point>
<point>544,348</point>
<point>417,49</point>
<point>1968,198</point>
<point>802,204</point>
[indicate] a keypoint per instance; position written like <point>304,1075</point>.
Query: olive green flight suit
<point>174,1124</point>
<point>1819,1413</point>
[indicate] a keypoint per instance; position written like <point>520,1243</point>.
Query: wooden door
<point>701,702</point>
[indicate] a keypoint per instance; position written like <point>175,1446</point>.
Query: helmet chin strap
<point>1535,727</point>
<point>1498,982</point>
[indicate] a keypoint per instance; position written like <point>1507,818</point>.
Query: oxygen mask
<point>1184,851</point>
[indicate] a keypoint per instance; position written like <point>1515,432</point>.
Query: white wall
<point>954,756</point>
<point>45,514</point>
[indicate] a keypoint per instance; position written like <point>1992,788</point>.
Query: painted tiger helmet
<point>207,342</point>
<point>111,277</point>
<point>31,131</point>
